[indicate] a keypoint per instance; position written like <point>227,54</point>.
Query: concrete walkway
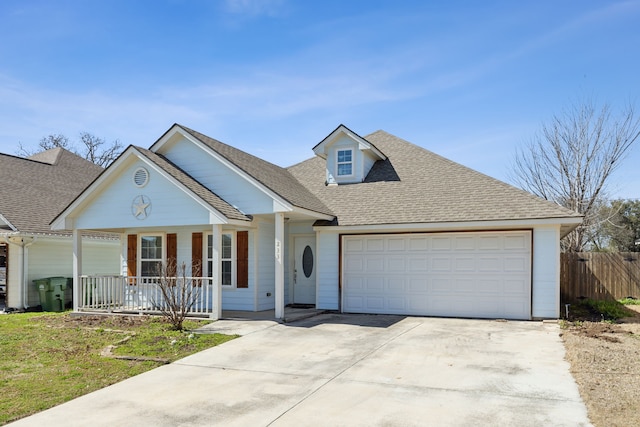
<point>349,370</point>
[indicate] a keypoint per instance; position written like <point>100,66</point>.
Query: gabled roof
<point>194,186</point>
<point>34,190</point>
<point>277,179</point>
<point>415,185</point>
<point>321,148</point>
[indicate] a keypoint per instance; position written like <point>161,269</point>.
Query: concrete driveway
<point>349,370</point>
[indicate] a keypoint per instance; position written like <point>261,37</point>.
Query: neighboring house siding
<point>50,258</point>
<point>546,272</point>
<point>223,181</point>
<point>327,245</point>
<point>169,205</point>
<point>14,266</point>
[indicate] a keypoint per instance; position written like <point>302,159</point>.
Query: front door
<point>304,275</point>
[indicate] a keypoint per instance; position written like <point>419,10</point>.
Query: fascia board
<point>313,214</point>
<point>321,148</point>
<point>453,226</point>
<point>7,222</point>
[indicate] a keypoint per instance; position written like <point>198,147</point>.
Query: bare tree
<point>94,149</point>
<point>178,293</point>
<point>572,159</point>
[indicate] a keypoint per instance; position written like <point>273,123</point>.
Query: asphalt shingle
<point>34,190</point>
<point>415,185</point>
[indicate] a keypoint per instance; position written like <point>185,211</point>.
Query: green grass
<point>609,310</point>
<point>629,301</point>
<point>50,358</point>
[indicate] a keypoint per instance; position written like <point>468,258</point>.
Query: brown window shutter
<point>132,256</point>
<point>172,254</point>
<point>242,259</point>
<point>196,255</point>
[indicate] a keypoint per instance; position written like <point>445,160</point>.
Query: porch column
<point>216,277</point>
<point>77,268</point>
<point>279,253</point>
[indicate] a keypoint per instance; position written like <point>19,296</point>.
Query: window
<point>345,162</point>
<point>151,255</point>
<point>226,257</point>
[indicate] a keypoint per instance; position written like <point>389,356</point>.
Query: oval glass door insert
<point>307,261</point>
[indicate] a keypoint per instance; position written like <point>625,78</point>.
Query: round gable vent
<point>141,177</point>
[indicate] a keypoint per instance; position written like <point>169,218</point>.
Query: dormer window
<point>349,157</point>
<point>345,162</point>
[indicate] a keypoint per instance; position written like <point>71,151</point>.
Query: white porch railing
<point>143,295</point>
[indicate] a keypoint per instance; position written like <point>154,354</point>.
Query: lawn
<point>50,358</point>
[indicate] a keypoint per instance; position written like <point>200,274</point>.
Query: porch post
<point>216,276</point>
<point>279,254</point>
<point>77,268</point>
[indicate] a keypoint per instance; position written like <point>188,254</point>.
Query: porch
<point>145,295</point>
<point>148,295</point>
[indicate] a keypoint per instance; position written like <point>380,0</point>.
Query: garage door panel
<point>490,264</point>
<point>464,264</point>
<point>516,264</point>
<point>375,264</point>
<point>396,265</point>
<point>440,243</point>
<point>464,243</point>
<point>395,245</point>
<point>474,274</point>
<point>375,245</point>
<point>489,243</point>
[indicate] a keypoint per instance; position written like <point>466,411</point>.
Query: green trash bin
<point>51,290</point>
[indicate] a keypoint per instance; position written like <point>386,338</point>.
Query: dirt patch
<point>605,362</point>
<point>92,321</point>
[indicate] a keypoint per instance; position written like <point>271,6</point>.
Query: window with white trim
<point>227,258</point>
<point>151,255</point>
<point>344,162</point>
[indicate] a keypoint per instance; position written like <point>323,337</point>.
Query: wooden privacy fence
<point>599,275</point>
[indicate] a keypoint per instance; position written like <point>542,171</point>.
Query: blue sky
<point>469,80</point>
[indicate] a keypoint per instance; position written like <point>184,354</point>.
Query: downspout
<point>24,252</point>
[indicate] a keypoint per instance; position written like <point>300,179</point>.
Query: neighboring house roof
<point>275,178</point>
<point>34,190</point>
<point>414,185</point>
<point>194,186</point>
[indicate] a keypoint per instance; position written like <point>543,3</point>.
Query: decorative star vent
<point>141,207</point>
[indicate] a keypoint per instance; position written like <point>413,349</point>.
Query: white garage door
<point>480,274</point>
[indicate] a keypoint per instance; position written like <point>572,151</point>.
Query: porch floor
<point>291,314</point>
<point>246,322</point>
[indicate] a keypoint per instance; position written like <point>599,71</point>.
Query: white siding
<point>169,205</point>
<point>327,251</point>
<point>546,272</point>
<point>54,257</point>
<point>266,266</point>
<point>242,299</point>
<point>223,181</point>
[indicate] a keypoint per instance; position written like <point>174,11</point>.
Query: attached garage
<point>471,274</point>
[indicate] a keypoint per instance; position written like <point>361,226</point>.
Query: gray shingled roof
<point>200,190</point>
<point>34,190</point>
<point>277,179</point>
<point>415,185</point>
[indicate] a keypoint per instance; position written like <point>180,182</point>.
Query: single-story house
<point>32,192</point>
<point>370,224</point>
